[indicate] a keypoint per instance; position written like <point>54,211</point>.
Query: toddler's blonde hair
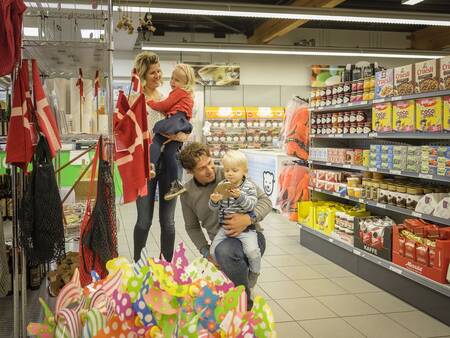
<point>190,76</point>
<point>235,158</point>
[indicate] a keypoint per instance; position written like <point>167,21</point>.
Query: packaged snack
<point>384,83</point>
<point>382,117</point>
<point>446,112</point>
<point>404,80</point>
<point>404,116</point>
<point>429,114</point>
<point>427,76</point>
<point>444,73</point>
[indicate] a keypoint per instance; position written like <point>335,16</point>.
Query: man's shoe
<point>176,189</point>
<point>252,279</point>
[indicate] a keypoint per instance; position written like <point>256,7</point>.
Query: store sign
<point>325,75</point>
<point>217,74</point>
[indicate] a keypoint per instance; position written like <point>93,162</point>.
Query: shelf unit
<point>435,178</point>
<point>403,283</point>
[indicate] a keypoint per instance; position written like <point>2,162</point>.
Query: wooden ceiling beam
<point>431,38</point>
<point>274,28</point>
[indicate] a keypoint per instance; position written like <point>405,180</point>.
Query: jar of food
<point>324,118</point>
<point>366,84</point>
<point>360,128</point>
<point>360,85</point>
<point>319,130</point>
<point>358,191</point>
<point>353,116</point>
<point>334,100</point>
<point>355,86</point>
<point>367,128</point>
<point>313,119</point>
<point>354,96</point>
<point>367,184</point>
<point>340,99</point>
<point>329,115</point>
<point>347,117</point>
<point>359,96</point>
<point>340,128</point>
<point>313,130</point>
<point>324,129</point>
<point>372,84</point>
<point>340,118</point>
<point>361,116</point>
<point>328,100</point>
<point>366,95</point>
<point>323,101</point>
<point>346,129</point>
<point>353,181</point>
<point>353,127</point>
<point>347,87</point>
<point>334,90</point>
<point>401,196</point>
<point>333,129</point>
<point>413,195</point>
<point>340,88</point>
<point>383,193</point>
<point>334,118</point>
<point>347,97</point>
<point>374,190</point>
<point>392,194</point>
<point>329,91</point>
<point>329,126</point>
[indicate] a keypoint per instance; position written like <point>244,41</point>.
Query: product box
<point>443,159</point>
<point>404,116</point>
<point>404,80</point>
<point>429,114</point>
<point>446,112</point>
<point>384,83</point>
<point>373,239</point>
<point>444,81</point>
<point>427,76</point>
<point>382,117</point>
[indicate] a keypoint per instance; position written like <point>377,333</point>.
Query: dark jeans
<point>169,155</point>
<point>231,258</point>
<point>145,207</point>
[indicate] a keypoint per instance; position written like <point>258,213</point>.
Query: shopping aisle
<point>309,295</point>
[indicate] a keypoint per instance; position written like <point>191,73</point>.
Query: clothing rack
<point>17,186</point>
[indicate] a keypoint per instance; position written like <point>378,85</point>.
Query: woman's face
<point>153,78</point>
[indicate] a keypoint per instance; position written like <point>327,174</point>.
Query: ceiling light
<point>268,12</point>
<point>411,2</point>
<point>290,50</point>
<point>31,31</point>
<point>92,33</point>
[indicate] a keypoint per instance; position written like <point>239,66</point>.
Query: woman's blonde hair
<point>190,76</point>
<point>235,158</point>
<point>142,63</point>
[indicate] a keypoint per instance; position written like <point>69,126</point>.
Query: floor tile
<point>314,259</point>
<point>305,308</point>
<point>271,275</point>
<point>331,327</point>
<point>259,291</point>
<point>272,250</point>
<point>321,287</point>
<point>300,272</point>
<point>281,290</point>
<point>290,330</point>
<point>283,260</point>
<point>347,305</point>
<point>284,240</point>
<point>421,324</point>
<point>376,326</point>
<point>279,314</point>
<point>355,284</point>
<point>384,302</point>
<point>331,270</point>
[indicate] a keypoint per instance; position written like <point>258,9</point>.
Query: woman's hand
<point>216,197</point>
<point>236,223</point>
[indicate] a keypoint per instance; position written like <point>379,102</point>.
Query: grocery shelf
<point>412,96</point>
<point>439,287</point>
<point>344,136</point>
<point>393,135</point>
<point>339,107</point>
<point>387,207</point>
<point>435,178</point>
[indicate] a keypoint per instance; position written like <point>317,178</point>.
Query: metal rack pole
<point>16,291</point>
<point>109,83</point>
<point>24,289</point>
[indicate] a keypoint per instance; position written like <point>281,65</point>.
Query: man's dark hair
<point>191,153</point>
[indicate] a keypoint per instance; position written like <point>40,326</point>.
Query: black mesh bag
<point>101,236</point>
<point>41,216</point>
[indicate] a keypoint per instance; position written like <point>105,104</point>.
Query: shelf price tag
<point>373,134</point>
<point>332,135</point>
<point>347,166</point>
<point>395,172</point>
<point>395,269</point>
<point>338,106</point>
<point>427,176</point>
<point>328,163</point>
<point>331,240</point>
<point>349,104</point>
<point>336,194</point>
<point>363,102</point>
<point>338,135</point>
<point>373,169</point>
<point>397,98</point>
<point>357,252</point>
<point>381,205</point>
<point>416,214</point>
<point>361,200</point>
<point>378,101</point>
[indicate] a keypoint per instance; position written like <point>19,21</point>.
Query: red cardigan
<point>178,100</point>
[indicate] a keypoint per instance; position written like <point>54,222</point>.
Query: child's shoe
<point>176,189</point>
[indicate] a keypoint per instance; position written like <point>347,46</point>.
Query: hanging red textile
<point>11,16</point>
<point>96,84</point>
<point>80,83</point>
<point>132,140</point>
<point>136,81</point>
<point>19,145</point>
<point>44,115</point>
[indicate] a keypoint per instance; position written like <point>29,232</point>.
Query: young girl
<point>239,198</point>
<point>178,110</point>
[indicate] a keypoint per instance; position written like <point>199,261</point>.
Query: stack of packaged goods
<point>264,126</point>
<point>374,235</point>
<point>344,123</point>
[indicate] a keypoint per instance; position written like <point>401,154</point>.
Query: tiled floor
<point>309,295</point>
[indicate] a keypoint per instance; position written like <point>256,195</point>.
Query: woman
<point>149,71</point>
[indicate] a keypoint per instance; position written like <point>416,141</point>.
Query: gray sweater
<point>197,214</point>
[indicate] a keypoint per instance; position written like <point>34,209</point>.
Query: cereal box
<point>444,76</point>
<point>427,76</point>
<point>384,83</point>
<point>446,113</point>
<point>382,117</point>
<point>429,114</point>
<point>404,116</point>
<point>404,80</point>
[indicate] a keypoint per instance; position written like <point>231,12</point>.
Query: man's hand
<point>236,223</point>
<point>216,197</point>
<point>235,192</point>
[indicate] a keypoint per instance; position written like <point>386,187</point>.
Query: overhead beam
<point>431,38</point>
<point>275,28</point>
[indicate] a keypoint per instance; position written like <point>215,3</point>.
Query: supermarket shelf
<point>394,135</point>
<point>387,207</point>
<point>412,96</point>
<point>435,178</point>
<point>441,288</point>
<point>339,107</point>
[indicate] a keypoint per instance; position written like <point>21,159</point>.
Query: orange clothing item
<point>178,100</point>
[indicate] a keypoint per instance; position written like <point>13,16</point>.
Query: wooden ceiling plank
<point>431,38</point>
<point>274,28</point>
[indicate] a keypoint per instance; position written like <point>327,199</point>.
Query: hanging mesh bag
<point>41,214</point>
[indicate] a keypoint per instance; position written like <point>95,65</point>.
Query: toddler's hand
<point>216,197</point>
<point>235,192</point>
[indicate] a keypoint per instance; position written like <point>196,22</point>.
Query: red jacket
<point>178,100</point>
<point>132,139</point>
